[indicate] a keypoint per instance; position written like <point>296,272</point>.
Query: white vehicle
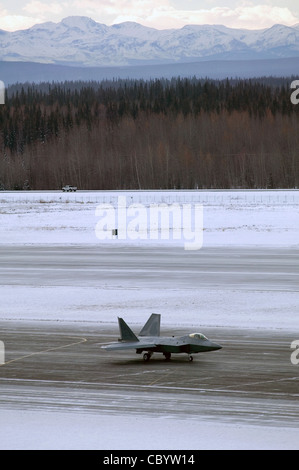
<point>69,189</point>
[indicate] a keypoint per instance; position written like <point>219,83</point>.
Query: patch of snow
<point>230,218</point>
<point>38,430</point>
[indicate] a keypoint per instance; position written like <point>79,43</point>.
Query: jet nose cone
<point>215,346</point>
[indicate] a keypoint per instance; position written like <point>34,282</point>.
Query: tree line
<point>130,134</point>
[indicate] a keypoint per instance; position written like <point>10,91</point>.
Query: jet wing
<point>128,345</point>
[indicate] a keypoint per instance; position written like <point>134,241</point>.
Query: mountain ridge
<point>81,41</point>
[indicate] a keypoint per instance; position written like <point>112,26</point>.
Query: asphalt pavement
<point>61,366</point>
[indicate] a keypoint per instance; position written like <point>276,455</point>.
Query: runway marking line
<point>82,340</point>
<point>263,382</point>
<point>160,378</point>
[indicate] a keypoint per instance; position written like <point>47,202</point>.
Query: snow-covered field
<point>230,219</point>
<point>240,219</point>
<point>57,430</point>
<point>243,218</point>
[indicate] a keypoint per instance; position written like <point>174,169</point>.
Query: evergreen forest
<point>158,134</point>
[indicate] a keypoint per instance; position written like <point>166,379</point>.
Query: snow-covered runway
<point>59,283</point>
<point>72,394</point>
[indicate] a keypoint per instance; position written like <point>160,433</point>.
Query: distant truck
<point>68,188</point>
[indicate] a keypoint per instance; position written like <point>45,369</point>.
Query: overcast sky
<point>252,14</point>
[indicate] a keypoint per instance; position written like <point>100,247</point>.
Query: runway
<point>249,268</point>
<point>53,366</point>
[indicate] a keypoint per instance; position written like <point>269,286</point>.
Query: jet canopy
<point>197,336</point>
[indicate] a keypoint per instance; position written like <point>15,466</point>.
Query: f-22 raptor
<point>149,341</point>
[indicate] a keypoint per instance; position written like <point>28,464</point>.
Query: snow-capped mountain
<point>81,41</point>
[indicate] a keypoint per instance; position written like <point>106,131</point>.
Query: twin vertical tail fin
<point>151,328</point>
<point>126,334</point>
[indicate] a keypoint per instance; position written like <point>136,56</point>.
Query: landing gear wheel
<point>167,356</point>
<point>190,358</point>
<point>146,357</point>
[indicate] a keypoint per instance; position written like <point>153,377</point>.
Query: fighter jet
<point>149,341</point>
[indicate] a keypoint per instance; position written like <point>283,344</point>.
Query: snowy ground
<point>245,219</point>
<point>40,430</point>
<point>269,218</point>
